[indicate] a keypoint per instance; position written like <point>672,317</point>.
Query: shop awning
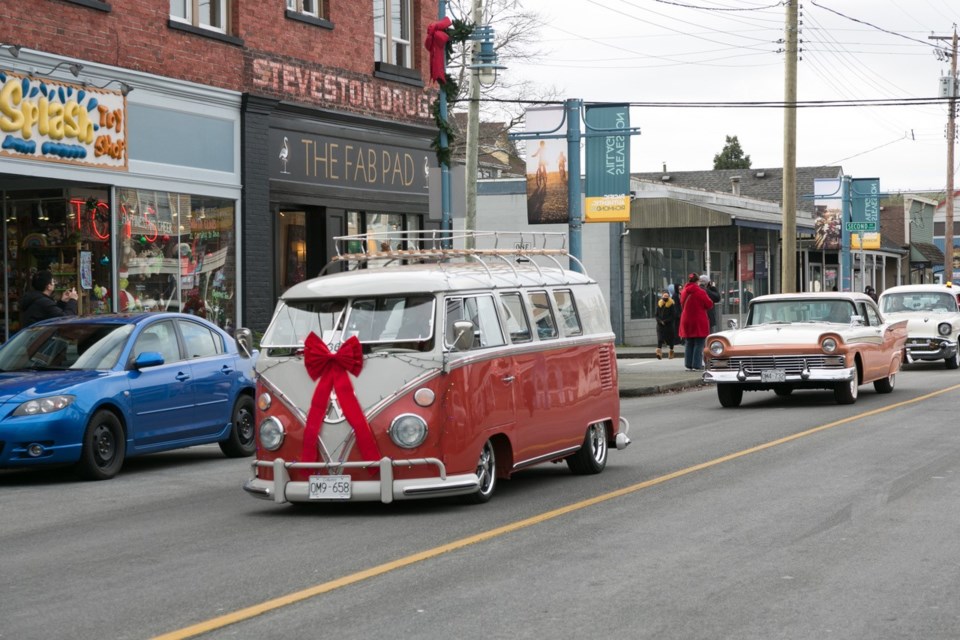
<point>670,213</point>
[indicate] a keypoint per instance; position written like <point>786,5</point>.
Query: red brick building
<point>201,154</point>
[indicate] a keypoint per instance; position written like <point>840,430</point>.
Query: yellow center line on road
<point>277,603</point>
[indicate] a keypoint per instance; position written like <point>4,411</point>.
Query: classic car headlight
<point>271,434</point>
<point>829,345</point>
<point>43,405</point>
<point>944,328</point>
<point>408,431</point>
<point>716,347</point>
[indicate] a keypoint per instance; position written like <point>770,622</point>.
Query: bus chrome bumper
<point>386,489</point>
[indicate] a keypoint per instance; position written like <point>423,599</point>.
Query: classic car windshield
<point>932,301</point>
<point>404,320</point>
<point>807,310</point>
<point>70,346</point>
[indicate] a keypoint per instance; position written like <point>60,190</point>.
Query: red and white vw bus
<point>433,371</point>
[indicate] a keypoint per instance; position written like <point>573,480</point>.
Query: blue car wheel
<point>104,447</point>
<point>240,443</point>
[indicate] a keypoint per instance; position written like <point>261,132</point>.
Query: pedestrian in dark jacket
<point>38,303</point>
<point>694,323</point>
<point>666,315</point>
<point>714,293</point>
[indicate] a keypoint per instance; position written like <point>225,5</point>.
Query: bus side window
<point>568,312</point>
<point>482,312</point>
<point>543,315</point>
<point>517,324</point>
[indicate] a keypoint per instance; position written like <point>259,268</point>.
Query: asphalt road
<point>785,518</point>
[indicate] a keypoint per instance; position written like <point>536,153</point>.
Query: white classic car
<point>933,320</point>
<point>834,341</point>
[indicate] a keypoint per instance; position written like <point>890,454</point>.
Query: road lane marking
<point>299,596</point>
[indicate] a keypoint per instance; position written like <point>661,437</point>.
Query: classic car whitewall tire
<point>885,385</point>
<point>847,392</point>
<point>592,456</point>
<point>730,395</point>
<point>486,474</point>
<point>104,447</point>
<point>954,361</point>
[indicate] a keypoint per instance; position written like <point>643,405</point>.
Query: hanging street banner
<point>608,164</point>
<point>828,223</point>
<point>865,213</point>
<point>547,196</point>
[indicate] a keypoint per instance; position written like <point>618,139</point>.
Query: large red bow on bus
<point>332,369</point>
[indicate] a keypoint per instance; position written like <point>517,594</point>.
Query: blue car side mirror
<point>148,359</point>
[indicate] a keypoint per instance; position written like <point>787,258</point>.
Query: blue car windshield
<point>65,346</point>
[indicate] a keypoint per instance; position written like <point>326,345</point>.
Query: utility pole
<point>951,138</point>
<point>473,132</point>
<point>788,260</point>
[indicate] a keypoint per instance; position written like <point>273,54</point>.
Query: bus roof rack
<point>445,247</point>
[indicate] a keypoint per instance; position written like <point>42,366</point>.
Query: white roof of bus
<point>431,278</point>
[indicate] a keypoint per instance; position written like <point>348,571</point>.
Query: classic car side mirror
<point>732,323</point>
<point>462,335</point>
<point>244,339</point>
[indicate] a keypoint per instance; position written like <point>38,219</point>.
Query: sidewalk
<point>641,374</point>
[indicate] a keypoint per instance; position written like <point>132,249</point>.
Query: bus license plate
<point>773,375</point>
<point>329,488</point>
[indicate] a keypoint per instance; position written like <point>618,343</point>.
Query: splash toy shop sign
<point>59,122</point>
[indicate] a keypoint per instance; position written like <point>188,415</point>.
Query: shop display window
<point>177,253</point>
<point>64,231</point>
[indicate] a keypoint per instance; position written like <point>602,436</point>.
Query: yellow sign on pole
<point>869,241</point>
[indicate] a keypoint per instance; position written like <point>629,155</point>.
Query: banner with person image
<point>547,197</point>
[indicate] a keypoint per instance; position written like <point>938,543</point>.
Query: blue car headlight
<point>50,404</point>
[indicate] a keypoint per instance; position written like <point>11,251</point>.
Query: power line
<point>864,22</point>
<point>691,6</point>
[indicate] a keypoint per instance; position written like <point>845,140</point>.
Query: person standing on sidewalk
<point>666,314</point>
<point>694,323</point>
<point>714,293</point>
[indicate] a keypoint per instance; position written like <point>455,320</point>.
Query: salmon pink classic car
<point>835,341</point>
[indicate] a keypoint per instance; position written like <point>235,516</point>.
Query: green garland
<point>459,33</point>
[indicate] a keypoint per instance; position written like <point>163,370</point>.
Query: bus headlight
<point>408,431</point>
<point>271,434</point>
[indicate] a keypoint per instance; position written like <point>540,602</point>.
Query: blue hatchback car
<point>92,391</point>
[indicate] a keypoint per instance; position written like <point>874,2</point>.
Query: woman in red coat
<point>694,322</point>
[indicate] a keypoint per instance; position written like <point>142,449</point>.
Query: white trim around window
<point>204,14</point>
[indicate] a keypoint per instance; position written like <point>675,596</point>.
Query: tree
<point>732,156</point>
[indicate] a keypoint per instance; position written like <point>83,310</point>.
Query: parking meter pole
<point>574,219</point>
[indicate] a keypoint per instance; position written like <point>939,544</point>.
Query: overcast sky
<point>684,51</point>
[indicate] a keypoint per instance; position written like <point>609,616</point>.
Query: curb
<point>638,392</point>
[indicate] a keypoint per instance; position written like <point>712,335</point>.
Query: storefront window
<point>63,231</point>
<point>652,270</point>
<point>293,247</point>
<point>177,253</point>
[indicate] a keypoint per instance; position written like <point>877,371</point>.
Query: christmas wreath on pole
<point>441,36</point>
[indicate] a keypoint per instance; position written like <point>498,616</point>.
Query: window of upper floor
<point>310,11</point>
<point>392,33</point>
<point>203,14</point>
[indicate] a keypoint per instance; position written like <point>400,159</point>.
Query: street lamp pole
<point>446,222</point>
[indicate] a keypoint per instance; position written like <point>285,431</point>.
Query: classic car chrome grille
<point>790,364</point>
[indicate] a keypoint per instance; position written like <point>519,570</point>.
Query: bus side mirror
<point>244,339</point>
<point>462,335</point>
